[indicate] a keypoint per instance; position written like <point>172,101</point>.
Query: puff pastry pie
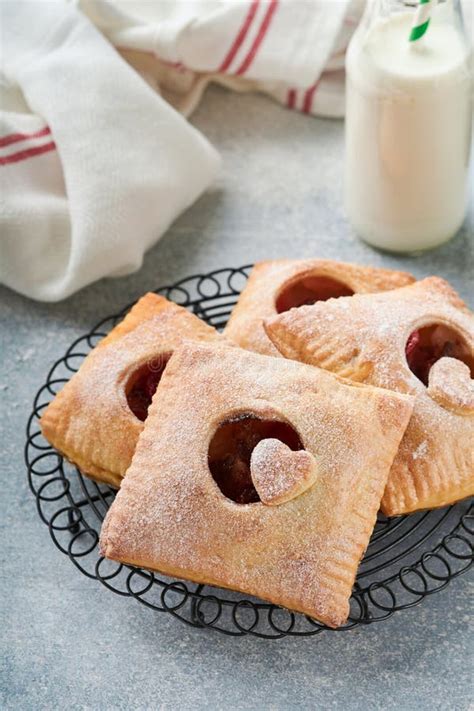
<point>95,420</point>
<point>417,340</point>
<point>277,286</point>
<point>224,421</point>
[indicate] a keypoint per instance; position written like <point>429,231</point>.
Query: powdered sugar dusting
<point>90,420</point>
<point>421,451</point>
<point>363,337</point>
<point>302,554</point>
<point>279,474</point>
<point>451,385</point>
<point>269,279</point>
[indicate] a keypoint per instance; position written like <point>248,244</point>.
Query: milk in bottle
<point>408,127</point>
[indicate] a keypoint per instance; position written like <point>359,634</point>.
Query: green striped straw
<point>422,19</point>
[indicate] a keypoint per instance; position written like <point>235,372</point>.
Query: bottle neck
<point>444,10</point>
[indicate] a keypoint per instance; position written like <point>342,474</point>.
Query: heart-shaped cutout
<point>451,386</point>
<point>279,473</point>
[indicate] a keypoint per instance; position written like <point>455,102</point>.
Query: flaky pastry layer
<point>268,280</point>
<point>89,421</point>
<point>171,516</point>
<point>363,338</point>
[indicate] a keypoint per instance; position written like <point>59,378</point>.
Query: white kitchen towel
<point>95,163</point>
<point>292,50</point>
<point>95,166</point>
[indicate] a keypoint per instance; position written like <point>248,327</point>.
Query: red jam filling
<point>427,345</point>
<point>309,289</point>
<point>231,448</point>
<point>142,386</point>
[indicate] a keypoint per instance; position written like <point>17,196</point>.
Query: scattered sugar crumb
<point>421,450</point>
<point>26,355</point>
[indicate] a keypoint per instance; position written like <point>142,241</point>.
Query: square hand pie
<point>276,286</point>
<point>96,418</point>
<point>417,340</point>
<point>257,474</point>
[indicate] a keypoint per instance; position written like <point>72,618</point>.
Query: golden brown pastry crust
<point>280,474</point>
<point>89,421</point>
<point>268,279</point>
<point>363,338</point>
<point>171,516</point>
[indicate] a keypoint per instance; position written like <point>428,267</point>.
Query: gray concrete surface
<point>68,642</point>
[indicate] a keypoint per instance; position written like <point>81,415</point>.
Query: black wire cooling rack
<point>408,558</point>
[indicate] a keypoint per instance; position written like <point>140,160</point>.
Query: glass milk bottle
<point>408,125</point>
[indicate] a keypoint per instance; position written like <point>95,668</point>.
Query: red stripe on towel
<point>240,36</point>
<point>272,6</point>
<point>308,98</point>
<point>27,153</point>
<point>15,137</point>
<point>291,98</point>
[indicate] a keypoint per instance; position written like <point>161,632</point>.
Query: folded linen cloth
<point>100,169</point>
<point>96,163</point>
<point>293,50</point>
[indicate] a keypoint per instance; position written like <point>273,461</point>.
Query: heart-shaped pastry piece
<point>451,385</point>
<point>279,473</point>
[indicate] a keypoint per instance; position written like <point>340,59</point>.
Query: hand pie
<point>417,340</point>
<point>277,286</point>
<point>96,418</point>
<point>189,507</point>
